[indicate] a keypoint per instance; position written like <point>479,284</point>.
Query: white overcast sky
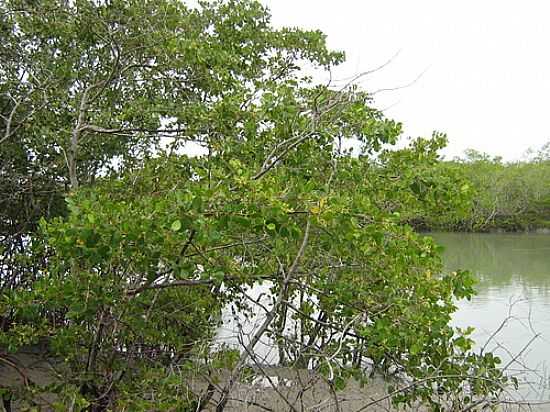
<point>485,64</point>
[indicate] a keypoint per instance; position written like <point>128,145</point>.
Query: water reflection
<point>514,282</point>
<point>499,259</point>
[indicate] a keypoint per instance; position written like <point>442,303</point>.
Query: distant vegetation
<point>503,196</point>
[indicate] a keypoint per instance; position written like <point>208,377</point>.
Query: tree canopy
<point>505,196</point>
<point>119,252</point>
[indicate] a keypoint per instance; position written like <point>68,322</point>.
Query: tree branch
<point>270,316</point>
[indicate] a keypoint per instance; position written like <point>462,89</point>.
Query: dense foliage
<point>119,252</point>
<point>504,196</point>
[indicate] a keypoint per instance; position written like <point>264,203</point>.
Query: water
<point>513,294</point>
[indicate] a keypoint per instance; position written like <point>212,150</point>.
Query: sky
<point>478,71</point>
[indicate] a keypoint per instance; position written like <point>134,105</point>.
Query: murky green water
<point>514,288</point>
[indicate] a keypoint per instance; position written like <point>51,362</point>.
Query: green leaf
<point>176,225</point>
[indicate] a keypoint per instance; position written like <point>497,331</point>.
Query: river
<point>513,271</point>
